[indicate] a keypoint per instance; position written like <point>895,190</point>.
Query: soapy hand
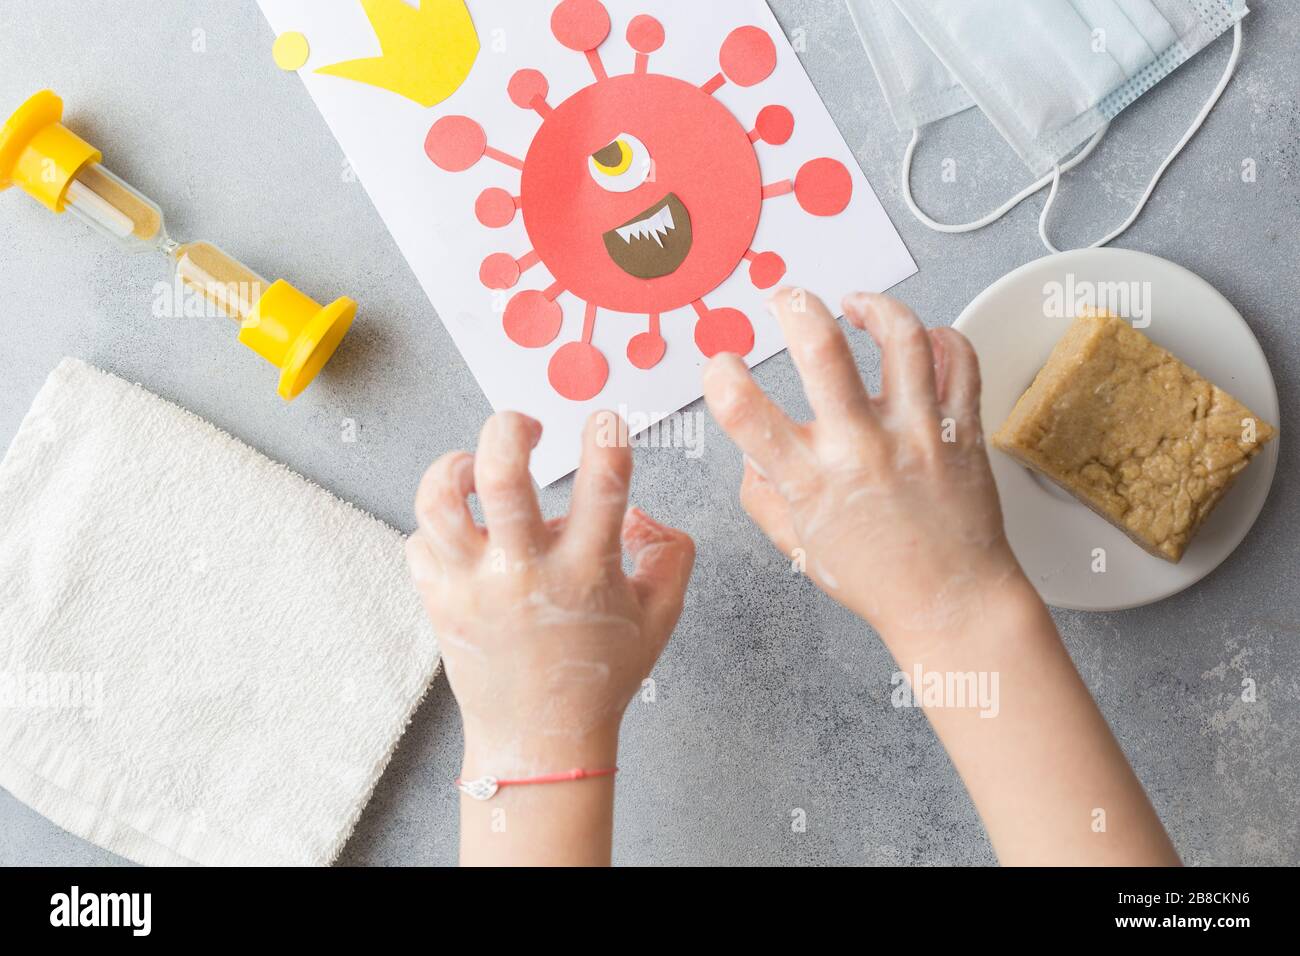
<point>889,499</point>
<point>545,639</point>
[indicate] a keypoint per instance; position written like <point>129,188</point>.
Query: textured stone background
<point>770,698</point>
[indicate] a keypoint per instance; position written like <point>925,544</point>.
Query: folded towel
<point>204,658</point>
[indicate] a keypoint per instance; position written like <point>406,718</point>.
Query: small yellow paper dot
<point>291,51</point>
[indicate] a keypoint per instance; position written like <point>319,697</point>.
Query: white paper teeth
<point>654,227</point>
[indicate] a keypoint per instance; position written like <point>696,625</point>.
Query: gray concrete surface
<point>770,698</point>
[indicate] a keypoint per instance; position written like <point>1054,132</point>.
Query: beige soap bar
<point>1133,433</point>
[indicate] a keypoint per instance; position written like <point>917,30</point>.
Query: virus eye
<point>621,166</point>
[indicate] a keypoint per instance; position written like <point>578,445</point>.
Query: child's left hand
<point>545,639</point>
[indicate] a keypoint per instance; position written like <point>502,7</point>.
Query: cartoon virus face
<point>640,194</point>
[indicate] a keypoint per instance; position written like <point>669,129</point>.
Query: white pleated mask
<point>1050,75</point>
<point>917,86</point>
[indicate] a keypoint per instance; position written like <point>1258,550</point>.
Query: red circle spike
<point>532,320</point>
<point>748,56</point>
<point>824,187</point>
<point>526,86</point>
<point>724,330</point>
<point>645,34</point>
<point>455,143</point>
<point>775,125</point>
<point>581,25</point>
<point>766,270</point>
<point>579,372</point>
<point>646,350</point>
<point>499,271</point>
<point>495,208</point>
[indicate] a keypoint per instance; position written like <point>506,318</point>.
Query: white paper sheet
<point>431,212</point>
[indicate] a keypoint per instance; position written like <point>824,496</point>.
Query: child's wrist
<point>1009,618</point>
<point>535,755</point>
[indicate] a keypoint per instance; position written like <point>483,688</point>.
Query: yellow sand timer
<point>62,171</point>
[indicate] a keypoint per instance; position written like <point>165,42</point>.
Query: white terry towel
<point>204,658</point>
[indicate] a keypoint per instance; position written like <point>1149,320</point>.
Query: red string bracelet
<point>485,788</point>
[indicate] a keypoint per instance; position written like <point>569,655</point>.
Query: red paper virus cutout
<point>640,194</point>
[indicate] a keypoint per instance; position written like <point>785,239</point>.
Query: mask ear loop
<point>1182,143</point>
<point>1002,210</point>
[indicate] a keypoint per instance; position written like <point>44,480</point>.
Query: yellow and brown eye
<point>622,165</point>
<point>615,159</point>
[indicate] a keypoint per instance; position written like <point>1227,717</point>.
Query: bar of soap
<point>1133,433</point>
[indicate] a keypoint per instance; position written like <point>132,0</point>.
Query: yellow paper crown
<point>427,52</point>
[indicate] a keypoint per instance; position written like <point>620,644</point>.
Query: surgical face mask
<point>917,86</point>
<point>1049,74</point>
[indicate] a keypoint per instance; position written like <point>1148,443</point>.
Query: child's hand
<point>545,639</point>
<point>892,500</point>
<point>889,497</point>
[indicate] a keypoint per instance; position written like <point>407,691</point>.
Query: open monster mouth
<point>655,243</point>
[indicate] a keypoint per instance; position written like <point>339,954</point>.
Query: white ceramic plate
<point>1013,330</point>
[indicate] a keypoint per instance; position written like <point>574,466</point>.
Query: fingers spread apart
<point>907,359</point>
<point>765,433</point>
<point>442,509</point>
<point>768,509</point>
<point>821,353</point>
<point>601,488</point>
<point>662,559</point>
<point>959,387</point>
<point>505,487</point>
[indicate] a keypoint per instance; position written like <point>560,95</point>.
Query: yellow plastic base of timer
<point>296,334</point>
<point>39,153</point>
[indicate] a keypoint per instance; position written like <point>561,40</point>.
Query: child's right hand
<point>889,498</point>
<point>904,528</point>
